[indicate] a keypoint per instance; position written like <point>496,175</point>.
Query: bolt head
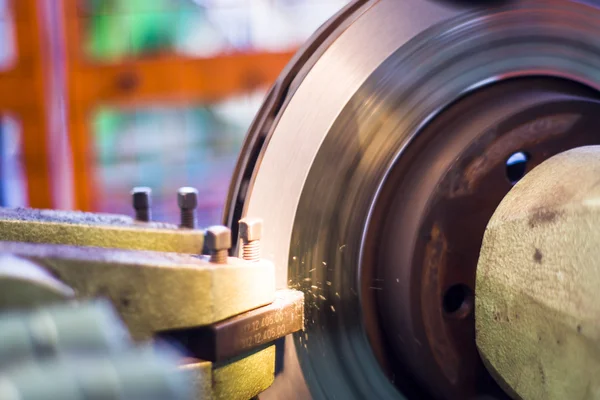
<point>218,238</point>
<point>251,229</point>
<point>187,198</point>
<point>141,197</point>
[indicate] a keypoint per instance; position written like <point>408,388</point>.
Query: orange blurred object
<point>52,90</point>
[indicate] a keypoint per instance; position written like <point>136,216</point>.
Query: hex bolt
<point>142,203</point>
<point>187,198</point>
<point>251,233</point>
<point>218,243</point>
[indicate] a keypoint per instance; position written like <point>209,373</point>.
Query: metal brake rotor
<point>378,171</point>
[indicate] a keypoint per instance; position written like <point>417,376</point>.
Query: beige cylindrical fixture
<point>538,282</point>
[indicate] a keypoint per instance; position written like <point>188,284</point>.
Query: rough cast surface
<point>156,291</point>
<point>99,230</point>
<point>537,296</point>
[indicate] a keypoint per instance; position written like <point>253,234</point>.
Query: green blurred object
<point>82,351</point>
<point>121,28</point>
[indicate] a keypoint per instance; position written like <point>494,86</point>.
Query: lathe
<point>414,215</point>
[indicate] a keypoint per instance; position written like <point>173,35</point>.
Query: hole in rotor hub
<point>433,209</point>
<point>516,166</point>
<point>458,301</point>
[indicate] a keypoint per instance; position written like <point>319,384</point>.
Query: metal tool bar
<point>245,332</point>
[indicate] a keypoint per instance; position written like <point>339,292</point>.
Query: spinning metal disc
<point>377,168</point>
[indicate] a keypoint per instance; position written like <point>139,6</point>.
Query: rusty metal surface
<point>100,230</point>
<point>429,241</point>
<point>245,332</point>
<point>156,291</point>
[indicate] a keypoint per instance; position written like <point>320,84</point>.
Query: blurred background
<point>99,96</point>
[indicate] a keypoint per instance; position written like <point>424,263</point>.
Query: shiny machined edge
<point>337,74</point>
<point>275,104</point>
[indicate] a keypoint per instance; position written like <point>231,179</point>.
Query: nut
<point>250,229</point>
<point>187,198</point>
<point>218,238</point>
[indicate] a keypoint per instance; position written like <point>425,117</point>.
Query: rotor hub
<point>379,165</point>
<point>433,209</point>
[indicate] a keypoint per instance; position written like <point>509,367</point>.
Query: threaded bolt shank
<point>142,203</point>
<point>218,243</point>
<point>187,199</point>
<point>251,233</point>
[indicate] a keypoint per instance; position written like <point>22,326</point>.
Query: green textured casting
<point>97,230</point>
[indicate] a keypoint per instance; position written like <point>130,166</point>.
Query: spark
<point>324,263</point>
<point>328,283</point>
<point>333,308</point>
<point>322,297</point>
<point>337,294</point>
<point>342,247</point>
<point>312,270</point>
<point>314,287</point>
<point>307,279</point>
